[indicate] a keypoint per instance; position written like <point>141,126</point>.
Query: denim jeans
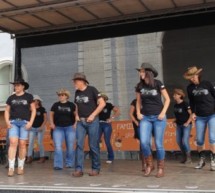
<point>183,137</point>
<point>106,129</point>
<point>61,134</point>
<point>201,126</point>
<point>32,134</point>
<point>148,125</point>
<point>92,129</point>
<point>18,129</point>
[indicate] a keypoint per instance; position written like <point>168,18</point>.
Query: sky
<point>6,46</point>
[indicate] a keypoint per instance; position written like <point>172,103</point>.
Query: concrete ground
<point>121,176</point>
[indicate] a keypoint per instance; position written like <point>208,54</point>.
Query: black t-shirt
<point>151,98</point>
<point>64,113</point>
<point>181,112</point>
<point>20,106</point>
<point>106,112</point>
<point>39,119</point>
<point>86,101</point>
<point>202,98</point>
<point>133,103</point>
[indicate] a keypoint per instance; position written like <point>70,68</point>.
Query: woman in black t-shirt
<point>105,127</point>
<point>152,115</point>
<point>202,102</point>
<point>38,129</point>
<point>19,117</point>
<point>183,115</point>
<point>62,119</point>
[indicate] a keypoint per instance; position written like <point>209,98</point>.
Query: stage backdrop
<point>123,138</point>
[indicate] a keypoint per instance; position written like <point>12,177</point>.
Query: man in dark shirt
<point>89,103</point>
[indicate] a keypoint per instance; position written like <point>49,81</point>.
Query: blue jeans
<point>61,134</point>
<point>148,125</point>
<point>106,128</point>
<point>201,126</point>
<point>183,137</point>
<point>18,129</point>
<point>32,134</point>
<point>92,129</point>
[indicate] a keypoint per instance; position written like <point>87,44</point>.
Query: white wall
<point>6,46</point>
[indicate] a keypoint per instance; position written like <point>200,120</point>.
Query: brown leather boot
<point>29,160</point>
<point>160,172</point>
<point>149,165</point>
<point>143,163</point>
<point>41,160</point>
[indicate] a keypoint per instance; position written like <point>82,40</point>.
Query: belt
<point>101,121</point>
<point>83,119</point>
<point>18,119</point>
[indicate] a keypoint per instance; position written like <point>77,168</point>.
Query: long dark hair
<point>148,80</point>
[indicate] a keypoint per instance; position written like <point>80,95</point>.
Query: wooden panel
<point>128,6</point>
<point>31,21</point>
<point>77,13</point>
<point>22,3</point>
<point>102,10</point>
<point>158,5</point>
<point>4,5</point>
<point>11,25</point>
<point>53,17</point>
<point>187,3</point>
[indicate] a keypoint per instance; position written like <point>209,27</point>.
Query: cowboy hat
<point>37,97</point>
<point>22,82</point>
<point>148,67</point>
<point>179,92</point>
<point>80,76</point>
<point>104,96</point>
<point>192,71</point>
<point>63,91</point>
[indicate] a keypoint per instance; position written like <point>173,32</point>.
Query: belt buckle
<point>82,119</point>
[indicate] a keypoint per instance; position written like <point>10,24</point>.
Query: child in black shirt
<point>19,116</point>
<point>183,117</point>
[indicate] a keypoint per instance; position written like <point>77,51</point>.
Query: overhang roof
<point>30,16</point>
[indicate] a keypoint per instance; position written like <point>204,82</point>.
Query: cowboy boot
<point>212,155</point>
<point>144,165</point>
<point>189,160</point>
<point>201,163</point>
<point>149,165</point>
<point>184,158</point>
<point>29,160</point>
<point>20,170</point>
<point>160,165</point>
<point>41,160</point>
<point>11,165</point>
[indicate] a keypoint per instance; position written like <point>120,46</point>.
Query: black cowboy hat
<point>22,82</point>
<point>80,76</point>
<point>148,67</point>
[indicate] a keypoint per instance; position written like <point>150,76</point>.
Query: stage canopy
<point>42,16</point>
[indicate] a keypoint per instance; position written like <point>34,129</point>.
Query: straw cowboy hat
<point>148,67</point>
<point>22,82</point>
<point>179,92</point>
<point>63,91</point>
<point>192,71</point>
<point>80,76</point>
<point>37,97</point>
<point>104,96</point>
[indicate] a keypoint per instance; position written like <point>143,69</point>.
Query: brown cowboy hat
<point>80,76</point>
<point>104,96</point>
<point>63,91</point>
<point>192,71</point>
<point>179,92</point>
<point>22,82</point>
<point>148,67</point>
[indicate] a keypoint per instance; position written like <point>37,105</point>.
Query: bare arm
<point>33,115</point>
<point>101,105</point>
<point>7,116</point>
<point>166,104</point>
<point>190,118</point>
<point>51,116</point>
<point>76,116</point>
<point>44,122</point>
<point>116,113</point>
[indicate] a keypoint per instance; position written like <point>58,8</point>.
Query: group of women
<point>25,113</point>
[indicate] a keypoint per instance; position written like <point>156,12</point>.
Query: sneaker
<point>109,162</point>
<point>201,163</point>
<point>10,173</point>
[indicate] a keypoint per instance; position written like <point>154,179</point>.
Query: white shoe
<point>109,162</point>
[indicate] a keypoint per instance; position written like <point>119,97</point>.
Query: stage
<point>121,176</point>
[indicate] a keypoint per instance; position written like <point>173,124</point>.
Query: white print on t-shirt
<point>178,110</point>
<point>105,110</point>
<point>19,102</point>
<point>64,109</point>
<point>82,99</point>
<point>38,113</point>
<point>199,92</point>
<point>146,92</point>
